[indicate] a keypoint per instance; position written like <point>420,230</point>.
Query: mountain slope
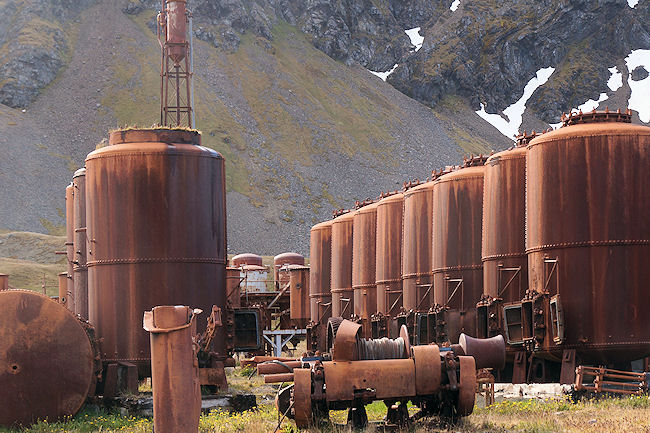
<point>302,133</point>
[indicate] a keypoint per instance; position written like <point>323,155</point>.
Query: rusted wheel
<point>404,333</point>
<point>467,388</point>
<point>302,397</point>
<point>428,370</point>
<point>46,359</point>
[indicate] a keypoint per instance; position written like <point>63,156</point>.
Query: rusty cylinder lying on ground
<point>174,369</point>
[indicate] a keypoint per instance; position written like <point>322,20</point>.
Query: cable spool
<point>381,348</point>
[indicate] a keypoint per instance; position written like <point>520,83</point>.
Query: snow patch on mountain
<point>384,75</point>
<point>414,35</point>
<point>639,89</point>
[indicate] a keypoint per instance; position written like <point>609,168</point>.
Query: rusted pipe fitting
<point>274,367</point>
<point>278,378</point>
<point>174,369</point>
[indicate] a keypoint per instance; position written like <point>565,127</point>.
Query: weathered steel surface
<point>342,293</point>
<point>80,270</point>
<point>174,369</point>
<point>505,266</point>
<point>69,242</point>
<point>302,398</point>
<point>233,280</point>
<point>427,369</point>
<point>176,30</point>
<point>467,391</point>
<point>279,261</point>
<point>487,352</point>
<point>246,259</point>
<point>63,288</point>
<point>156,213</point>
<point>388,268</point>
<point>363,262</point>
<point>416,251</point>
<point>4,282</point>
<point>457,267</point>
<point>46,359</point>
<point>299,277</point>
<point>588,235</point>
<point>390,378</point>
<point>345,342</point>
<point>320,275</point>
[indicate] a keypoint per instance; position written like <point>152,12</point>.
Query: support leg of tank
<point>357,417</point>
<point>397,414</point>
<point>568,372</point>
<point>519,368</point>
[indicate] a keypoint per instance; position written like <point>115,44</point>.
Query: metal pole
<point>191,78</point>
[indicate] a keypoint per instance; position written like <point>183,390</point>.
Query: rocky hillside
<point>284,91</point>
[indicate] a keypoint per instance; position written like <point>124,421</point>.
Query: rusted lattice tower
<point>176,67</point>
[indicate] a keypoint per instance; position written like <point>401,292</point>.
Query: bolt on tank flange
<point>596,117</point>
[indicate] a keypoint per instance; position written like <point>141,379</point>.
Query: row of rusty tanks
<point>539,244</point>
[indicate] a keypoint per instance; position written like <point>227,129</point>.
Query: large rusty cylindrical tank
<point>46,359</point>
<point>416,250</point>
<point>69,243</point>
<point>320,276</point>
<point>388,266</point>
<point>246,259</point>
<point>364,261</point>
<point>177,45</point>
<point>342,293</point>
<point>457,267</point>
<point>157,221</point>
<point>282,278</point>
<point>80,278</point>
<point>505,266</point>
<point>588,235</point>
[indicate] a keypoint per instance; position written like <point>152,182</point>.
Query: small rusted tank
<point>457,267</point>
<point>177,45</point>
<point>233,280</point>
<point>80,278</point>
<point>299,308</point>
<point>342,293</point>
<point>588,236</point>
<point>320,262</point>
<point>156,213</point>
<point>390,211</point>
<point>505,266</point>
<point>363,262</point>
<point>69,243</point>
<point>246,259</point>
<point>282,278</point>
<point>416,251</point>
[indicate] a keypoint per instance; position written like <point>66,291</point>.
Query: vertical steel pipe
<point>4,282</point>
<point>80,270</point>
<point>174,369</point>
<point>69,244</point>
<point>63,288</point>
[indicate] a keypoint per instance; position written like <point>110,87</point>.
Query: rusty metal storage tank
<point>69,243</point>
<point>457,266</point>
<point>388,267</point>
<point>588,236</point>
<point>176,27</point>
<point>299,308</point>
<point>363,263</point>
<point>233,280</point>
<point>505,266</point>
<point>157,226</point>
<point>416,250</point>
<point>80,278</point>
<point>342,293</point>
<point>320,276</point>
<point>246,259</point>
<point>282,278</point>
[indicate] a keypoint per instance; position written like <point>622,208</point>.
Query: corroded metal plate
<point>46,359</point>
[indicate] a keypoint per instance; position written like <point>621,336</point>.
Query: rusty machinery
<point>440,381</point>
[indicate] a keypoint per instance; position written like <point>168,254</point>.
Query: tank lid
<point>80,172</point>
<point>435,174</point>
<point>289,256</point>
<point>474,161</point>
<point>524,138</point>
<point>338,212</point>
<point>596,117</point>
<point>367,202</point>
<point>155,135</point>
<point>411,184</point>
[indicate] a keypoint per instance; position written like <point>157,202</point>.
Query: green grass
<point>28,275</point>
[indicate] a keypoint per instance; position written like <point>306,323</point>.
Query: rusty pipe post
<point>174,369</point>
<point>4,282</point>
<point>63,289</point>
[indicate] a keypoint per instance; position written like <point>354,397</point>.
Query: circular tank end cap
<point>155,135</point>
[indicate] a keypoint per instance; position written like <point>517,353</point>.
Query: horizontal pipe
<point>274,367</point>
<point>277,378</point>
